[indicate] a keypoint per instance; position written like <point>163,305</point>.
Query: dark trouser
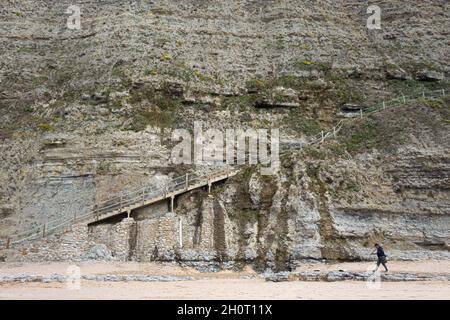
<point>382,260</point>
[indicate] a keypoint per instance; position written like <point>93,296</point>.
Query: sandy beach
<point>246,284</point>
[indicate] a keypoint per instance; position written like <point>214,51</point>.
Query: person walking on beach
<point>381,257</point>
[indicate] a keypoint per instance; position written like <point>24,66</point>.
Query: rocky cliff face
<point>88,113</point>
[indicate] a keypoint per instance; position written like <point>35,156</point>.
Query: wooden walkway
<point>145,197</point>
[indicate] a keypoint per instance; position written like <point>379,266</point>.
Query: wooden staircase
<point>145,196</point>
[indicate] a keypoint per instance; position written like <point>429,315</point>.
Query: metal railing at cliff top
<point>384,105</point>
<point>153,191</point>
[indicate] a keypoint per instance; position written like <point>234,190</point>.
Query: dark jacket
<point>380,252</point>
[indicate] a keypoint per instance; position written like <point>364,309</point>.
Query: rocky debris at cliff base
<point>102,278</point>
<point>98,252</point>
<point>309,276</point>
<point>142,278</point>
<point>208,266</point>
<point>332,276</point>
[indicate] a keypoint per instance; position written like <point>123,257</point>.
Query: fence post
<point>384,105</point>
<point>8,242</point>
<point>443,92</point>
<point>143,196</point>
<point>334,132</point>
<point>404,99</point>
<point>322,136</point>
<point>361,113</point>
<point>423,94</point>
<point>187,180</point>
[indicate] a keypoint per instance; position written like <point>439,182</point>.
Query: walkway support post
<point>180,233</point>
<point>172,200</point>
<point>187,180</point>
